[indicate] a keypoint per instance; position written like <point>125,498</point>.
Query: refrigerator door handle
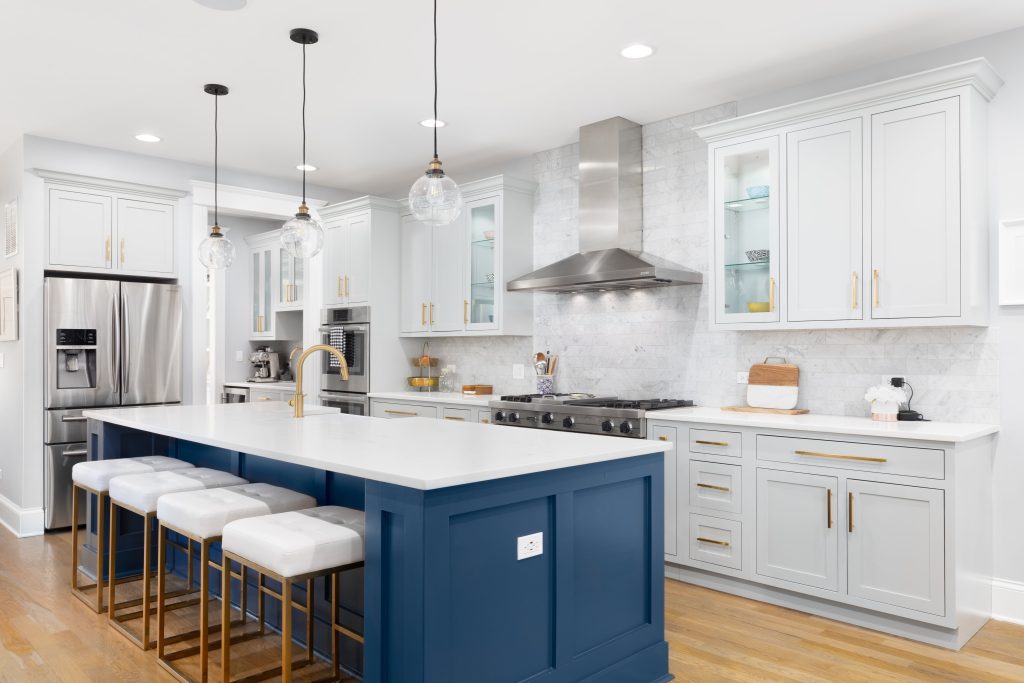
<point>126,347</point>
<point>115,347</point>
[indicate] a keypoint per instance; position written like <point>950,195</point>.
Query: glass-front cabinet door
<point>746,214</point>
<point>483,233</point>
<point>261,279</point>
<point>291,286</point>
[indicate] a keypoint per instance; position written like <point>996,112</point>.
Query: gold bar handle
<point>346,285</point>
<point>861,458</point>
<point>423,315</point>
<point>108,250</point>
<point>405,413</point>
<point>771,294</point>
<point>431,313</point>
<point>849,511</point>
<point>711,443</point>
<point>263,398</point>
<point>122,251</point>
<point>455,418</point>
<point>339,286</point>
<point>828,505</point>
<point>853,291</point>
<point>724,544</point>
<point>874,287</point>
<point>715,487</point>
<point>465,311</point>
<point>662,438</point>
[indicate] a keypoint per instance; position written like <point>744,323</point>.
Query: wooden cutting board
<point>773,385</point>
<point>775,411</point>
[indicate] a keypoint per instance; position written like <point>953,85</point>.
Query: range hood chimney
<point>610,221</point>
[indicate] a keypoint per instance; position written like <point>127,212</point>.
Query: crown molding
<point>91,183</point>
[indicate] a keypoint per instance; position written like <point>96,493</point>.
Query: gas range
<point>584,413</point>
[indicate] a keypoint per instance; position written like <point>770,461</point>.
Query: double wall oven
<point>348,330</point>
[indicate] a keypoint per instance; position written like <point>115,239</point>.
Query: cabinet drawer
<point>483,416</point>
<point>904,460</point>
<point>714,486</point>
<point>260,395</point>
<point>716,442</point>
<point>715,540</point>
<point>458,414</point>
<point>396,410</point>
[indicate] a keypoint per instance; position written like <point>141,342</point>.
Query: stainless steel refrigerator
<point>108,343</point>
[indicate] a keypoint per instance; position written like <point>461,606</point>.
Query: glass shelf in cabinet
<point>744,205</point>
<point>484,243</point>
<point>749,264</point>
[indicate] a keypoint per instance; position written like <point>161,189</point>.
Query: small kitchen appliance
<point>584,413</point>
<point>266,365</point>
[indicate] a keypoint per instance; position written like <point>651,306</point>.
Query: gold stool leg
<point>112,561</point>
<point>191,579</point>
<point>161,587</point>
<point>100,529</point>
<point>336,665</point>
<point>309,620</point>
<point>286,631</point>
<point>74,537</point>
<point>204,610</point>
<point>147,565</point>
<point>225,615</point>
<point>244,604</point>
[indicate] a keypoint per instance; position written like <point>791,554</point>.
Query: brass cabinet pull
<point>828,505</point>
<point>465,311</point>
<point>455,418</point>
<point>853,291</point>
<point>849,511</point>
<point>346,285</point>
<point>771,294</point>
<point>262,398</point>
<point>122,251</point>
<point>339,286</point>
<point>861,458</point>
<point>874,287</point>
<point>406,413</point>
<point>423,314</point>
<point>431,313</point>
<point>711,443</point>
<point>724,544</point>
<point>702,485</point>
<point>108,249</point>
<point>662,438</point>
<point>485,421</point>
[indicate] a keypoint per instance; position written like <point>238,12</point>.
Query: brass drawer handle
<point>485,421</point>
<point>715,487</point>
<point>711,443</point>
<point>724,544</point>
<point>828,504</point>
<point>465,311</point>
<point>874,287</point>
<point>853,292</point>
<point>453,417</point>
<point>849,512</point>
<point>406,413</point>
<point>262,398</point>
<point>122,251</point>
<point>662,438</point>
<point>860,458</point>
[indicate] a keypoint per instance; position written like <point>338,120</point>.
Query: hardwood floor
<point>48,635</point>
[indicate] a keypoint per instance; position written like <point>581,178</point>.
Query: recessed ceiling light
<point>225,5</point>
<point>147,137</point>
<point>433,123</point>
<point>309,168</point>
<point>638,51</point>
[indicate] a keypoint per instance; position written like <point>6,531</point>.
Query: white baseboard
<point>22,522</point>
<point>1008,600</point>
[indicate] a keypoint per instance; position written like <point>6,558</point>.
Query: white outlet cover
<point>530,546</point>
<point>518,371</point>
<point>238,356</point>
<point>742,378</point>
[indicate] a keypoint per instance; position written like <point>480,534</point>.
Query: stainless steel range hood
<point>611,221</point>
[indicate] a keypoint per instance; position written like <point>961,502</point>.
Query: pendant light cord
<point>303,123</point>
<point>216,156</point>
<point>435,79</point>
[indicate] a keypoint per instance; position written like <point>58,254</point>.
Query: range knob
<point>626,427</point>
<point>513,417</point>
<point>607,426</point>
<point>568,423</point>
<point>499,416</point>
<point>547,418</point>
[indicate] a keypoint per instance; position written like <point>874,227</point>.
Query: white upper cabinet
<point>824,213</point>
<point>347,259</point>
<point>103,226</point>
<point>879,219</point>
<point>264,253</point>
<point>453,276</point>
<point>915,211</point>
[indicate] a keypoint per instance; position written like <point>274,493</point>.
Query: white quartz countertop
<point>954,432</point>
<point>419,453</point>
<point>456,398</point>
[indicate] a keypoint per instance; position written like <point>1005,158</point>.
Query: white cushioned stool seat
<point>295,543</point>
<point>96,474</point>
<point>141,491</point>
<point>203,514</point>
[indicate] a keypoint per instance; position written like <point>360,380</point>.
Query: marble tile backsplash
<point>657,342</point>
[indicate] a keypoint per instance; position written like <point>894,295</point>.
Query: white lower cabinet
<point>797,539</point>
<point>860,529</point>
<point>438,409</point>
<point>896,545</point>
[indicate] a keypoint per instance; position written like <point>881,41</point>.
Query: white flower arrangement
<point>885,393</point>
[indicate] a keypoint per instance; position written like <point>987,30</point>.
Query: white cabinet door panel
<point>447,302</point>
<point>915,211</point>
<point>672,506</point>
<point>825,222</point>
<point>797,535</point>
<point>81,229</point>
<point>896,545</point>
<point>335,245</point>
<point>357,270</point>
<point>417,252</point>
<point>145,236</point>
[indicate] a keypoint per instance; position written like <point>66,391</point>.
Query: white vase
<point>884,411</point>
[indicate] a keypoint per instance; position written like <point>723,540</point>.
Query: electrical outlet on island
<point>530,546</point>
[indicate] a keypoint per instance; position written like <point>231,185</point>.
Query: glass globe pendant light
<point>303,235</point>
<point>216,251</point>
<point>435,199</point>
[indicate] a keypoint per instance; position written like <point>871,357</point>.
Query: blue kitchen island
<point>443,597</point>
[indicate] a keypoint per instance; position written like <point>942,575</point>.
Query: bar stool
<point>305,545</point>
<point>139,493</point>
<point>200,516</point>
<point>94,477</point>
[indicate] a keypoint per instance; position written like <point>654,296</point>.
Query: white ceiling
<point>516,77</point>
